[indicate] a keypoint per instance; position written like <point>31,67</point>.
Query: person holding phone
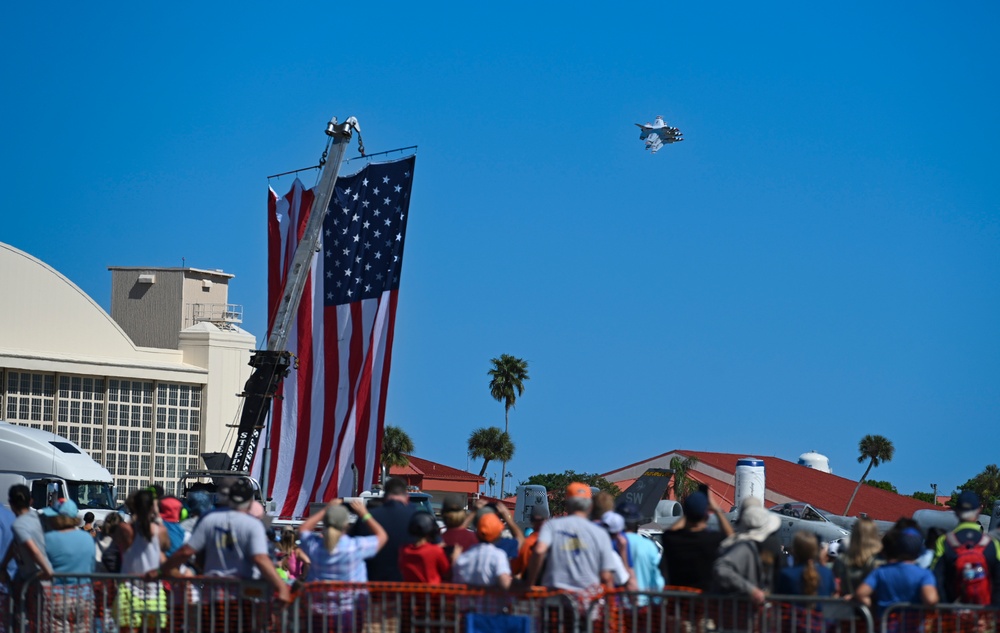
<point>690,552</point>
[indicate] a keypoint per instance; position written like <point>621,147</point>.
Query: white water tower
<point>812,459</point>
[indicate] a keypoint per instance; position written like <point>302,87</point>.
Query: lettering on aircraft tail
<point>647,491</point>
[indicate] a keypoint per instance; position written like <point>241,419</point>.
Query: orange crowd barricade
<point>940,618</point>
<point>104,603</point>
<point>683,610</point>
<point>107,603</point>
<point>814,614</point>
<point>377,607</point>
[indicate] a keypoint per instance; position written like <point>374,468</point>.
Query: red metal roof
<point>722,492</point>
<point>800,483</point>
<point>427,468</point>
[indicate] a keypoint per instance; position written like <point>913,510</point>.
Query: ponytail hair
<point>334,525</point>
<point>805,551</point>
<point>143,507</point>
<point>331,536</point>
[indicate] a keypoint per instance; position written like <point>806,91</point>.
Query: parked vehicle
<point>53,467</point>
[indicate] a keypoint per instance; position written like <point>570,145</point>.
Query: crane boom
<point>272,364</point>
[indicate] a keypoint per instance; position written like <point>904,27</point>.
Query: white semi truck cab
<point>51,465</point>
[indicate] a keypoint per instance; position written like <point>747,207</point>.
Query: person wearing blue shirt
<point>807,577</point>
<point>71,551</point>
<point>643,555</point>
<point>901,580</point>
<point>6,538</point>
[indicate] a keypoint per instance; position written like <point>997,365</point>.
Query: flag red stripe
<point>304,331</point>
<point>275,274</point>
<point>275,271</point>
<point>304,384</point>
<point>333,415</point>
<point>331,379</point>
<point>278,252</point>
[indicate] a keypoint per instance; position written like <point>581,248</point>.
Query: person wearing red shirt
<point>423,561</point>
<point>456,522</point>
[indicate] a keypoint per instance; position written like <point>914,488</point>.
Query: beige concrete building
<point>145,392</point>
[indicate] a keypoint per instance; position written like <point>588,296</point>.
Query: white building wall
<point>225,355</point>
<point>66,366</point>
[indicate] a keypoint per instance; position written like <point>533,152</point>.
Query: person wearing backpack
<point>967,560</point>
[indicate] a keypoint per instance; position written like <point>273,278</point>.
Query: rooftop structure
<point>787,482</point>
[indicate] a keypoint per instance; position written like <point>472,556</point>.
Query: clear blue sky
<point>820,259</point>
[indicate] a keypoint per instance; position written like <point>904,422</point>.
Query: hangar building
<point>144,390</point>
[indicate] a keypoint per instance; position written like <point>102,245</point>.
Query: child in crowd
<point>291,558</point>
<point>484,565</point>
<point>423,561</point>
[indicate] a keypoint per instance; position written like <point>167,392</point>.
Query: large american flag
<point>332,411</point>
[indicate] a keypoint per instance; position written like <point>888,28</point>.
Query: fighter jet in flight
<point>658,133</point>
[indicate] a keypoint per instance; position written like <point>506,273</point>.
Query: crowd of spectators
<point>594,545</point>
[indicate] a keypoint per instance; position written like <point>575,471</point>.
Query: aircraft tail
<point>529,497</point>
<point>647,491</point>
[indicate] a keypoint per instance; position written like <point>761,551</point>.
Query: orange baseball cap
<point>578,490</point>
<point>489,527</point>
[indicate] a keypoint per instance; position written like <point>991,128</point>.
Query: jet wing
<point>656,137</point>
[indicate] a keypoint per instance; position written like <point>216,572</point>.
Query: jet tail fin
<point>529,498</point>
<point>647,491</point>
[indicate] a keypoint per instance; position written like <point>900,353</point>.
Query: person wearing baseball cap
<point>519,565</point>
<point>70,551</point>
<point>614,524</point>
<point>484,564</point>
<point>423,561</point>
<point>644,557</point>
<point>689,551</point>
<point>900,580</point>
<point>456,522</point>
<point>510,545</point>
<point>967,534</point>
<point>576,553</point>
<point>235,546</point>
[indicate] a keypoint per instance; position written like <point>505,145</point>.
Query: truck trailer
<point>53,467</point>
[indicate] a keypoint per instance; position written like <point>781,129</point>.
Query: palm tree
<point>491,444</point>
<point>396,445</point>
<point>683,485</point>
<point>507,378</point>
<point>877,449</point>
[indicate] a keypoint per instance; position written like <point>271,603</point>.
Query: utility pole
<point>934,488</point>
